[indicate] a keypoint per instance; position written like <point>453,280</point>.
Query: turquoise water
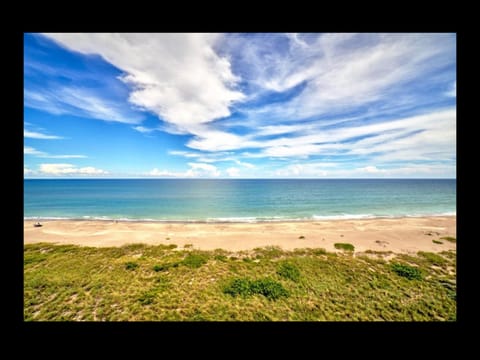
<point>236,200</point>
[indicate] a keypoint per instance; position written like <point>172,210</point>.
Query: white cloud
<point>79,102</point>
<point>245,164</point>
<point>166,173</point>
<point>196,170</point>
<point>27,171</point>
<point>343,71</point>
<point>69,169</point>
<point>201,169</point>
<point>37,135</point>
<point>233,172</point>
<point>371,170</point>
<point>28,150</point>
<point>428,136</point>
<point>179,77</point>
<point>143,129</point>
<point>333,170</point>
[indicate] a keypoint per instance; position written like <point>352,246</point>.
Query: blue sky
<point>240,105</point>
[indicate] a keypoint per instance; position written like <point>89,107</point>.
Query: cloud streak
<point>28,150</point>
<point>37,135</point>
<point>69,169</point>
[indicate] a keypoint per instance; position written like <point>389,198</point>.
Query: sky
<point>334,105</point>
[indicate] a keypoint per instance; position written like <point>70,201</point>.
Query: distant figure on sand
<point>37,224</point>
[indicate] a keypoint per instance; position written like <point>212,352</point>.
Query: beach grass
<point>72,283</point>
<point>344,246</point>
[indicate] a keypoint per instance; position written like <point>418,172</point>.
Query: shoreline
<point>398,235</point>
<point>237,221</point>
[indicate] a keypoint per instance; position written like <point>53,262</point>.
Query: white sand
<point>399,235</point>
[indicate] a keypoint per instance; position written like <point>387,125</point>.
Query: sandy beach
<point>399,235</point>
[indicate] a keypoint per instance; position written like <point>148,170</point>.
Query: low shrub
<point>407,271</point>
<point>131,265</point>
<point>267,287</point>
<point>344,246</point>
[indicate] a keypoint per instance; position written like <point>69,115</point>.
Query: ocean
<point>239,200</point>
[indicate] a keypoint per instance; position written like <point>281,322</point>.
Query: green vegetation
<point>267,287</point>
<point>437,242</point>
<point>434,259</point>
<point>344,246</point>
<point>71,283</point>
<point>195,260</point>
<point>131,265</point>
<point>449,238</point>
<point>289,271</point>
<point>409,272</point>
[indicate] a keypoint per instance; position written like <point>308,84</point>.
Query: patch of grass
<point>269,252</point>
<point>220,258</point>
<point>407,271</point>
<point>34,258</point>
<point>188,246</point>
<point>147,297</point>
<point>195,260</point>
<point>267,287</point>
<point>247,260</point>
<point>437,242</point>
<point>319,251</point>
<point>289,271</point>
<point>449,238</point>
<point>165,267</point>
<point>344,246</point>
<point>432,258</point>
<point>131,265</point>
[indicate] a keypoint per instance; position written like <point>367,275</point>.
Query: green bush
<point>267,287</point>
<point>344,246</point>
<point>165,267</point>
<point>437,242</point>
<point>195,260</point>
<point>289,271</point>
<point>407,271</point>
<point>131,265</point>
<point>239,286</point>
<point>449,238</point>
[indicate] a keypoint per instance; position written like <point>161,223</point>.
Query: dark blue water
<point>237,200</point>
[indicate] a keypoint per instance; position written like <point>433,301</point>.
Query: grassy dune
<point>149,283</point>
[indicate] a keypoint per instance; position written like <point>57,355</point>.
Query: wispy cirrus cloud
<point>38,135</point>
<point>81,102</point>
<point>69,169</point>
<point>28,150</point>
